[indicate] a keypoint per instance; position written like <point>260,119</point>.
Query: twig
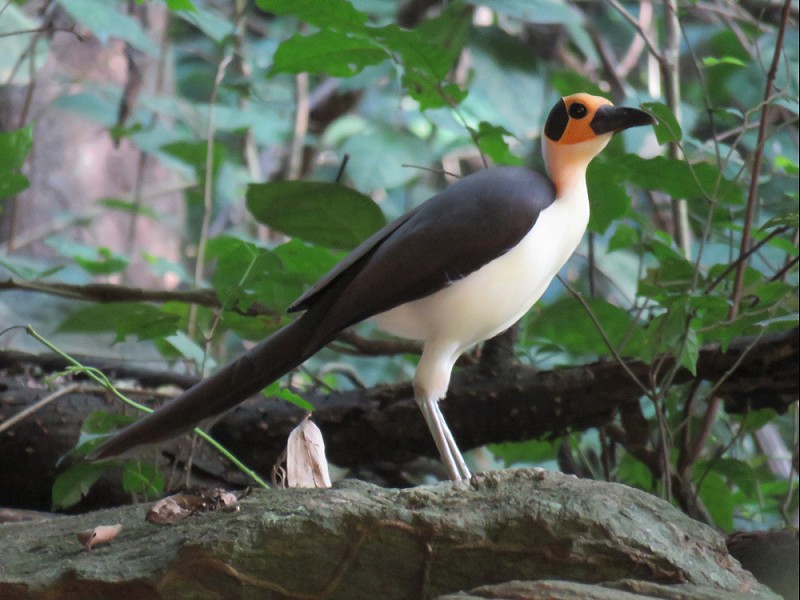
<point>639,29</point>
<point>785,269</point>
<point>579,297</point>
<point>628,62</point>
<point>40,30</point>
<point>37,406</point>
<point>743,257</point>
<point>106,292</point>
<point>670,71</point>
<point>208,187</point>
<point>736,294</point>
<point>101,379</point>
<point>295,167</point>
<point>342,167</point>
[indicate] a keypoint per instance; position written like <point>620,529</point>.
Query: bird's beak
<point>616,118</point>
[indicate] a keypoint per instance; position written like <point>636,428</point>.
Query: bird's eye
<point>577,111</point>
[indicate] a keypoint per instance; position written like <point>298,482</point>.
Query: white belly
<point>494,297</point>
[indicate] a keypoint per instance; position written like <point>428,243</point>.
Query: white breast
<point>494,297</point>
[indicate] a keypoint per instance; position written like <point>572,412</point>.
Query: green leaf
<point>634,473</point>
<point>534,11</point>
<point>74,483</point>
<point>106,263</point>
<point>14,148</point>
<point>274,390</point>
<point>12,184</point>
<point>105,19</point>
<point>690,351</point>
<point>754,420</point>
<point>624,237</point>
<point>736,471</point>
<point>96,427</point>
<point>332,52</point>
<point>425,67</point>
<point>210,21</point>
<point>331,14</point>
<point>97,261</point>
<point>566,81</point>
<point>328,214</point>
<point>718,499</point>
<point>384,158</point>
<point>711,61</point>
<point>186,5</point>
<point>193,153</point>
<point>787,220</point>
<point>667,128</point>
<point>125,318</point>
<point>665,335</point>
<point>491,140</point>
<point>241,265</point>
<point>188,349</point>
<point>787,164</point>
<point>677,178</point>
<point>533,451</point>
<point>129,207</point>
<point>567,325</point>
<point>103,422</point>
<point>607,197</point>
<point>142,478</point>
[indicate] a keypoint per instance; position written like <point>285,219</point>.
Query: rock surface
<point>562,536</point>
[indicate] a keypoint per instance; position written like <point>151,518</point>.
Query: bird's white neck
<point>567,163</point>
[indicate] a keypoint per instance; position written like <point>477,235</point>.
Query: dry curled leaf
<point>99,535</point>
<point>168,510</point>
<point>177,507</point>
<point>306,464</point>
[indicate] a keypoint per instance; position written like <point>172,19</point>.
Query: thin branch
<point>579,297</point>
<point>743,257</point>
<point>631,58</point>
<point>106,292</point>
<point>637,26</point>
<point>301,115</point>
<point>46,29</point>
<point>780,274</point>
<point>208,188</point>
<point>752,197</point>
<point>670,72</point>
<point>207,297</point>
<point>102,380</point>
<point>37,406</point>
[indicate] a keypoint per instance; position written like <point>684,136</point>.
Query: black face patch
<point>577,110</point>
<point>557,121</point>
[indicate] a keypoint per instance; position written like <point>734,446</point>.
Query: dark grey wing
<point>453,234</point>
<point>466,226</point>
<point>364,248</point>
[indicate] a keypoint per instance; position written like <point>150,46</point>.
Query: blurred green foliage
<point>468,82</point>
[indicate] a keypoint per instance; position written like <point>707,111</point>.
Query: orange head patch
<point>570,119</point>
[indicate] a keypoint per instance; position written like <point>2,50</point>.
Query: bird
<point>456,270</point>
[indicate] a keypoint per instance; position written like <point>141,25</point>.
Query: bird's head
<point>577,129</point>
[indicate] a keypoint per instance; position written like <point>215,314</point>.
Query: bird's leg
<point>455,453</point>
<point>448,450</point>
<point>431,380</point>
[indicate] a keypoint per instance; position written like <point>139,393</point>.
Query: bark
<point>358,541</point>
<point>382,428</point>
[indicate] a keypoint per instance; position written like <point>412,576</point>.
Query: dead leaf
<point>99,535</point>
<point>177,507</point>
<point>306,464</point>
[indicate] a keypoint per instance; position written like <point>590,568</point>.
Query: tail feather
<point>284,350</point>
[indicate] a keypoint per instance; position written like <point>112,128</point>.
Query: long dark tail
<point>278,354</point>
